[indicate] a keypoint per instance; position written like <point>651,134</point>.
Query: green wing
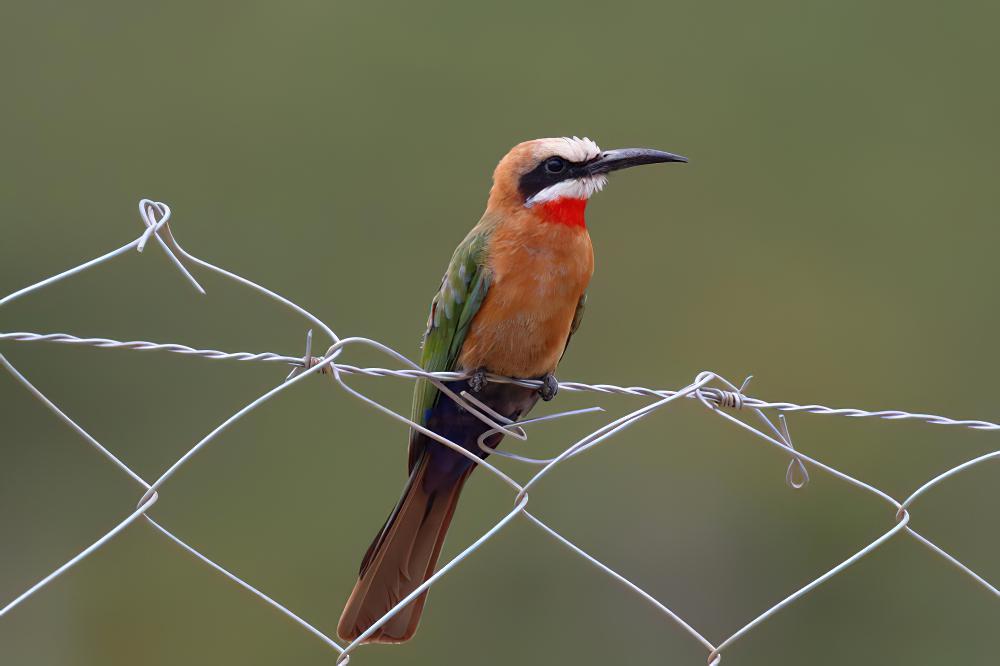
<point>577,320</point>
<point>462,291</point>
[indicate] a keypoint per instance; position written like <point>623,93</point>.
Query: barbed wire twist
<point>721,398</point>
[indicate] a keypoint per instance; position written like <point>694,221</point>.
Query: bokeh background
<point>835,234</point>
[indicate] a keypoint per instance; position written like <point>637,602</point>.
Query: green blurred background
<point>835,234</point>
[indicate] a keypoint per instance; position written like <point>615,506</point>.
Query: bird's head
<point>555,177</point>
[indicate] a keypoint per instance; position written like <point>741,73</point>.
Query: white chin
<point>577,188</point>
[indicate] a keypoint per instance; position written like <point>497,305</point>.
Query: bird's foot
<point>477,382</point>
<point>549,387</point>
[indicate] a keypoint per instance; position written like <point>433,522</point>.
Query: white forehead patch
<point>573,149</point>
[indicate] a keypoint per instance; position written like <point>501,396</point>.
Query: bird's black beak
<point>623,158</point>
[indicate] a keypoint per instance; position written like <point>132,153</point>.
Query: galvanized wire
<point>715,393</point>
<point>734,399</point>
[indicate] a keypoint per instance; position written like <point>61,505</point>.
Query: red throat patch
<point>564,210</point>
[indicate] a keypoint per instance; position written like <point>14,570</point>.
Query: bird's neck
<point>564,210</point>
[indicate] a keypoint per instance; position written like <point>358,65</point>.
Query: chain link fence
<point>718,395</point>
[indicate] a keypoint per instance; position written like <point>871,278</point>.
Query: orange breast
<point>540,271</point>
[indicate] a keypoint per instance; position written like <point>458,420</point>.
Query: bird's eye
<point>555,165</point>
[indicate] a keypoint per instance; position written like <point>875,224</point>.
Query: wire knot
<point>309,361</point>
<point>148,212</point>
<point>312,361</point>
<point>730,399</point>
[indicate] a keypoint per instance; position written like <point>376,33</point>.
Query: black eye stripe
<point>540,177</point>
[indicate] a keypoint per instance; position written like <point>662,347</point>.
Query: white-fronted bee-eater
<point>510,301</point>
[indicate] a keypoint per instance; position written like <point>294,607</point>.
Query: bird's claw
<point>549,387</point>
<point>477,382</point>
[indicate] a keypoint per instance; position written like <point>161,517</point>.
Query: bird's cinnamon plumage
<point>508,304</point>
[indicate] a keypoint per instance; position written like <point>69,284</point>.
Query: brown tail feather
<point>401,557</point>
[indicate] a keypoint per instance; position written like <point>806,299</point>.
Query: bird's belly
<point>522,326</point>
<point>539,272</point>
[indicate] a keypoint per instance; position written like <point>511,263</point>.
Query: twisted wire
<point>730,399</point>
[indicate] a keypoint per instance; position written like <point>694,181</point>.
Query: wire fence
<point>717,394</point>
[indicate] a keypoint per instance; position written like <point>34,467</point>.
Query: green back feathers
<point>462,291</point>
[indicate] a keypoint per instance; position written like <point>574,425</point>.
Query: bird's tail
<point>401,557</point>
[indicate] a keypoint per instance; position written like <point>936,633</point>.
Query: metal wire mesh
<point>717,394</point>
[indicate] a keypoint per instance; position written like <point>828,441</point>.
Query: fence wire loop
<point>160,228</point>
<point>796,475</point>
<point>719,400</point>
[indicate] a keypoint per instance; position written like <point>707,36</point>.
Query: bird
<point>509,303</point>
